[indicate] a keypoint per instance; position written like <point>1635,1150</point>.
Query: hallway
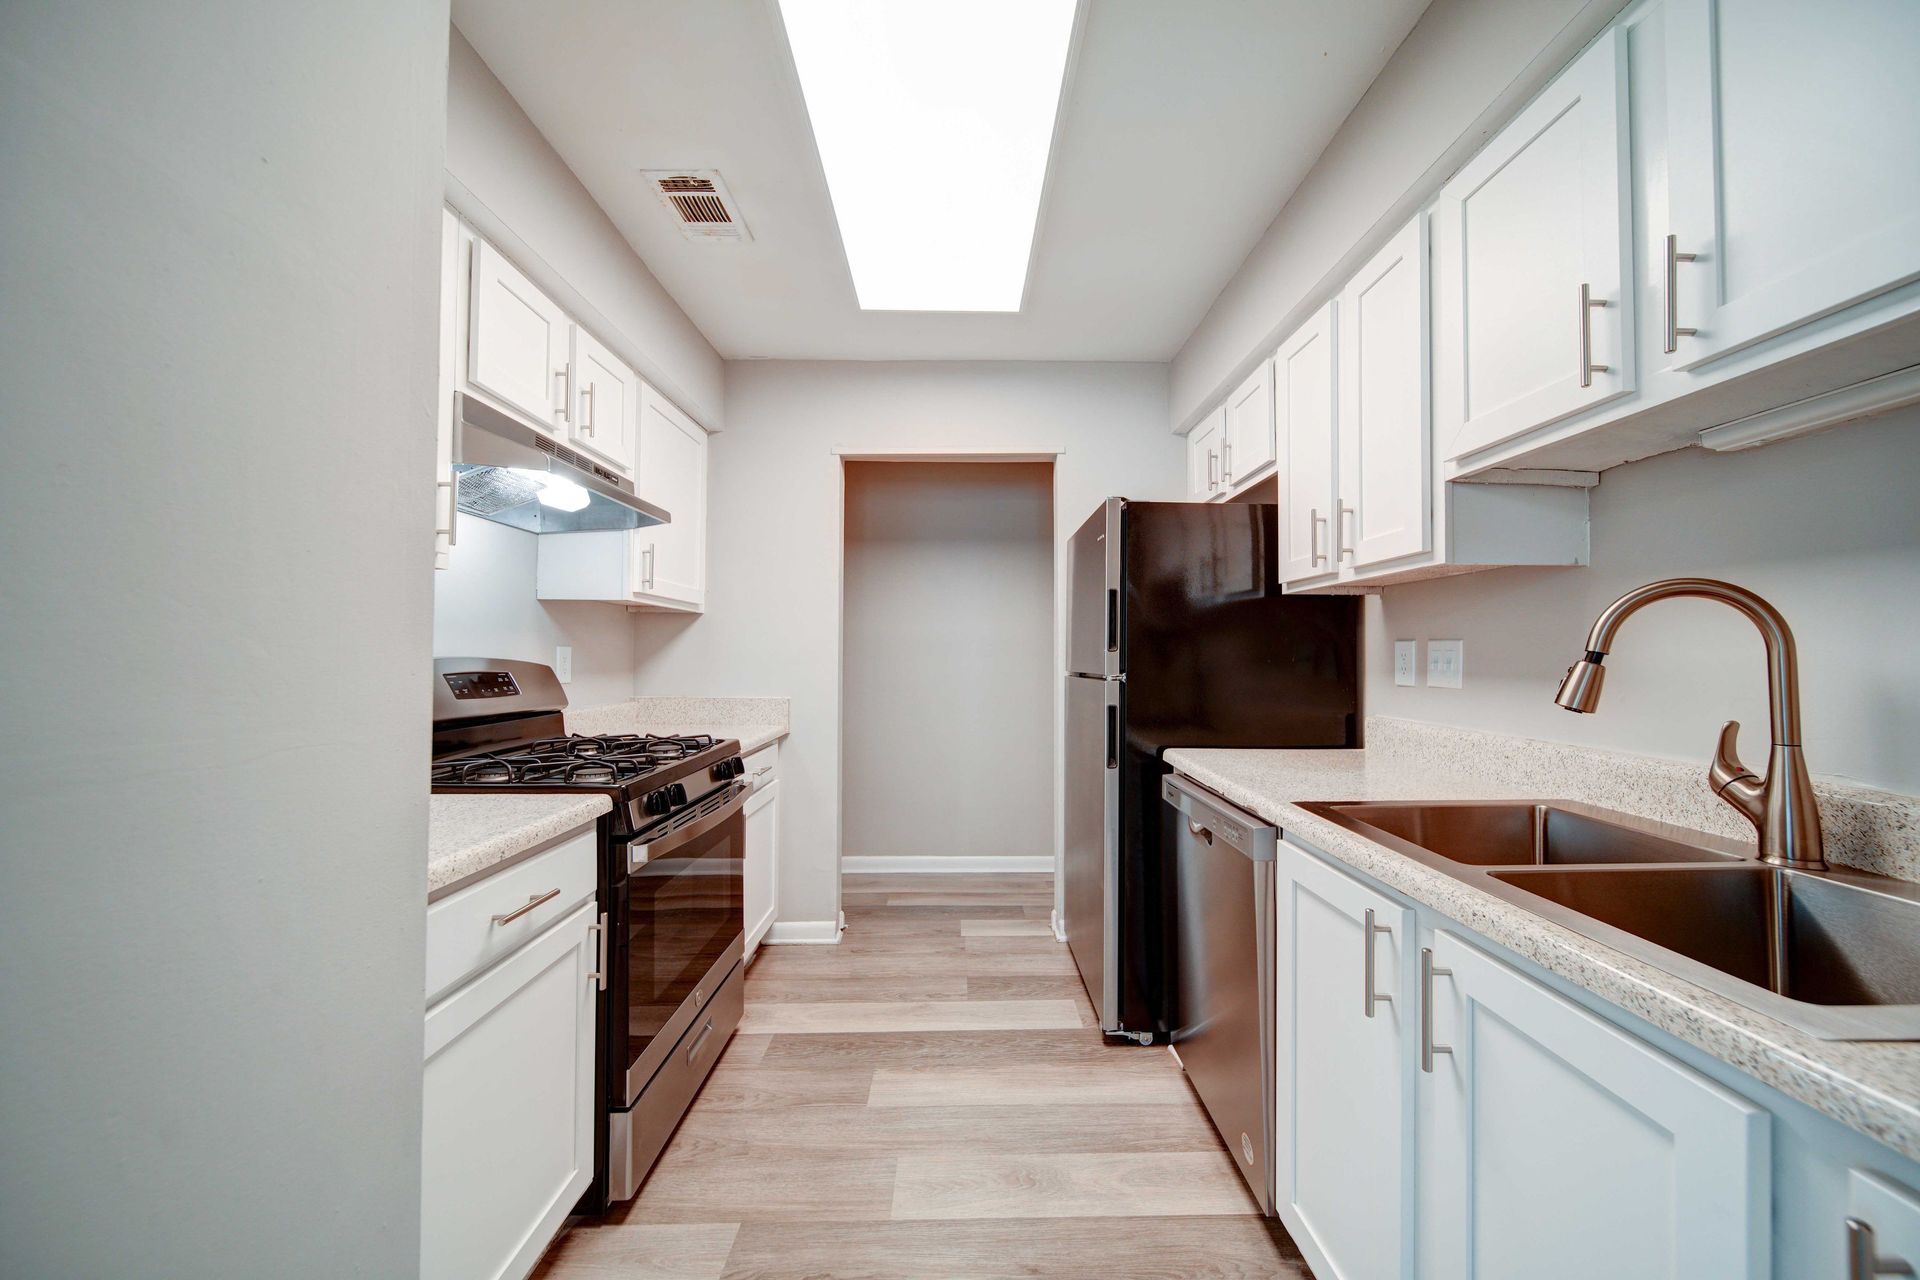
<point>929,1098</point>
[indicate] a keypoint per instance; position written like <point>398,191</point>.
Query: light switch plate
<point>1406,662</point>
<point>1446,664</point>
<point>563,663</point>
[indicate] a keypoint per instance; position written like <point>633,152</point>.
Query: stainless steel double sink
<point>1835,953</point>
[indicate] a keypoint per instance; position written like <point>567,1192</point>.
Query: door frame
<point>844,454</point>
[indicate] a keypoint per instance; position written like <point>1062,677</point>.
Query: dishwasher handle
<point>1215,821</point>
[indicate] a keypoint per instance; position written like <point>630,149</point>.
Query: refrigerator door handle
<point>1113,736</point>
<point>1113,620</point>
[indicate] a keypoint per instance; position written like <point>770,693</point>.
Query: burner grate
<point>581,759</point>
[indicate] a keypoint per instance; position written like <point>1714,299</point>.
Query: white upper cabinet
<point>1247,452</point>
<point>1531,314</point>
<point>519,341</point>
<point>443,479</point>
<point>1553,1144</point>
<point>1385,465</point>
<point>670,564</point>
<point>1203,456</point>
<point>1304,378</point>
<point>1343,1115</point>
<point>1793,131</point>
<point>606,402</point>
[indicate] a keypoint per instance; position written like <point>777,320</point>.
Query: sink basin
<point>1814,939</point>
<point>1523,833</point>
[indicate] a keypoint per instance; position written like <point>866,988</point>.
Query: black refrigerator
<point>1177,636</point>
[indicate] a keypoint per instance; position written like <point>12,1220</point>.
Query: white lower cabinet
<point>1554,1144</point>
<point>762,872</point>
<point>1442,1115</point>
<point>508,1121</point>
<point>1343,1117</point>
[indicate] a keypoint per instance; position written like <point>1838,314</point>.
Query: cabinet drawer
<point>462,937</point>
<point>768,758</point>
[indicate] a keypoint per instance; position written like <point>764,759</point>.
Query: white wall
<point>219,231</point>
<point>1827,528</point>
<point>948,626</point>
<point>484,607</point>
<point>772,625</point>
<point>511,184</point>
<point>1465,67</point>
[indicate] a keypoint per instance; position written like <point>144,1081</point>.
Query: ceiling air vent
<point>700,203</point>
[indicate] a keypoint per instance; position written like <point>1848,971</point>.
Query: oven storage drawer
<point>462,935</point>
<point>639,1135</point>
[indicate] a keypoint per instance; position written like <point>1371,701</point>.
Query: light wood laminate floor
<point>931,1098</point>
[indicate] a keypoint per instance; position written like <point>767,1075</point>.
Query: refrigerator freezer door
<point>1092,864</point>
<point>1095,601</point>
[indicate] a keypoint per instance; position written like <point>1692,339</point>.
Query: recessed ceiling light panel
<point>934,119</point>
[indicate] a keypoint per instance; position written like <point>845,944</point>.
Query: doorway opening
<point>947,666</point>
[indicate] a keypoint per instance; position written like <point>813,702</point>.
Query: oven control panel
<point>481,684</point>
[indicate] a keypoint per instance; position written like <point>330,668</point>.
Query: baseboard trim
<point>944,866</point>
<point>797,932</point>
<point>1059,926</point>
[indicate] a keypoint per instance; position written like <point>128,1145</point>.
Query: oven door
<point>684,923</point>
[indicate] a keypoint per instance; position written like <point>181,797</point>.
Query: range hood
<point>507,472</point>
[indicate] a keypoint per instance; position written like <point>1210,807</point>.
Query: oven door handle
<point>638,855</point>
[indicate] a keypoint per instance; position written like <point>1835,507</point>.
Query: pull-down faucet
<point>1781,806</point>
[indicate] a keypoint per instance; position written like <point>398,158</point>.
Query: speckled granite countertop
<point>1873,1088</point>
<point>754,721</point>
<point>471,835</point>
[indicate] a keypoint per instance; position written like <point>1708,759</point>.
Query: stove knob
<point>679,791</point>
<point>732,767</point>
<point>658,802</point>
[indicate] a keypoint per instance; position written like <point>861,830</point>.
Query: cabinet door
<point>1386,465</point>
<point>517,340</point>
<point>763,860</point>
<point>1203,456</point>
<point>443,481</point>
<point>509,1113</point>
<point>1882,1226</point>
<point>1342,1120</point>
<point>670,559</point>
<point>1304,399</point>
<point>1531,236</point>
<point>1556,1145</point>
<point>1249,429</point>
<point>606,402</point>
<point>1793,130</point>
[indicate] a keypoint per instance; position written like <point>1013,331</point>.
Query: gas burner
<point>584,760</point>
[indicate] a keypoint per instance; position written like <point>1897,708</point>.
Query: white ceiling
<point>1185,128</point>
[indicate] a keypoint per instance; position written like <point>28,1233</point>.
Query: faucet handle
<point>1732,781</point>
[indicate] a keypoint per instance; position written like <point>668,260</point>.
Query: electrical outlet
<point>563,663</point>
<point>1405,662</point>
<point>1446,664</point>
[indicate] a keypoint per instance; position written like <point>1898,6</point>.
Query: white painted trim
<point>1534,475</point>
<point>792,932</point>
<point>1060,929</point>
<point>1863,399</point>
<point>941,866</point>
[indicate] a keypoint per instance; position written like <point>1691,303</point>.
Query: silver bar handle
<point>1863,1258</point>
<point>586,409</point>
<point>508,917</point>
<point>763,770</point>
<point>646,568</point>
<point>1213,479</point>
<point>1587,303</point>
<point>1428,972</point>
<point>693,1050</point>
<point>1674,259</point>
<point>599,975</point>
<point>1226,462</point>
<point>1367,934</point>
<point>564,375</point>
<point>1340,522</point>
<point>1314,521</point>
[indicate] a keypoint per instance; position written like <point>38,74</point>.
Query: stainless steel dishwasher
<point>1224,970</point>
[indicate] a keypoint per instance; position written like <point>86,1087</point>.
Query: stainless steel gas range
<point>670,886</point>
